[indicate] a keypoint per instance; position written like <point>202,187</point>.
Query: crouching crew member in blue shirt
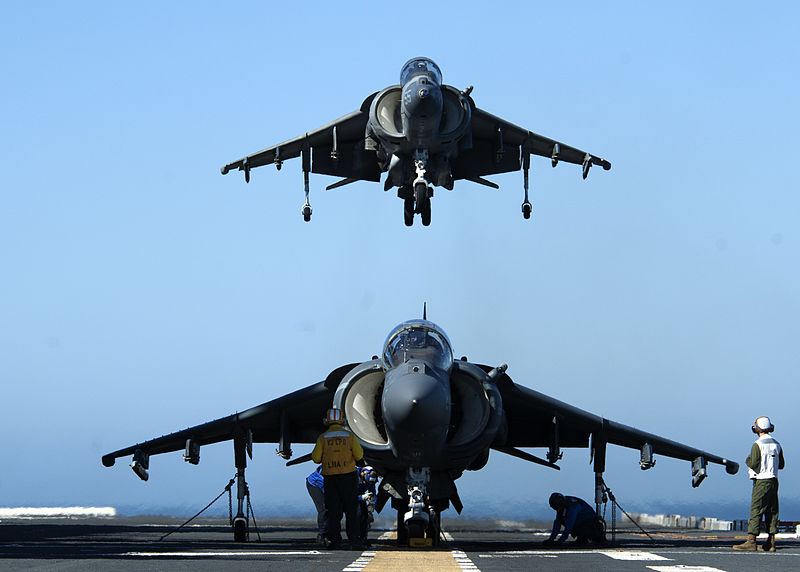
<point>367,479</point>
<point>577,519</point>
<point>315,485</point>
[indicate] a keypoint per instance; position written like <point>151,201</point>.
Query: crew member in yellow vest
<point>337,450</point>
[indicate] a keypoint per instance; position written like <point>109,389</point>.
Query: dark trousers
<point>589,529</point>
<point>363,520</point>
<point>318,497</point>
<point>341,496</point>
<point>764,502</point>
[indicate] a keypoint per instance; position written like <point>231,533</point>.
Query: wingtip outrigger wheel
<point>306,159</point>
<point>240,529</point>
<point>587,164</point>
<point>527,207</point>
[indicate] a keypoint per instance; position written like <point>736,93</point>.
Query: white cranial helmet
<point>764,424</point>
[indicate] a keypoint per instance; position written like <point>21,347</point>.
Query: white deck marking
<point>632,555</point>
<point>218,554</point>
<point>464,561</point>
<point>388,535</point>
<point>359,563</point>
<point>682,568</point>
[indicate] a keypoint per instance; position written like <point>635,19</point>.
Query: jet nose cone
<point>416,412</point>
<point>416,400</point>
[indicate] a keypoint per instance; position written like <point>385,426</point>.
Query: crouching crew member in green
<point>763,462</point>
<point>337,450</point>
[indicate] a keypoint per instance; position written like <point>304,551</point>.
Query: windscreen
<point>421,66</point>
<point>421,340</point>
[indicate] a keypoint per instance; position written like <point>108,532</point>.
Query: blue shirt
<point>363,486</point>
<point>315,479</point>
<point>575,511</point>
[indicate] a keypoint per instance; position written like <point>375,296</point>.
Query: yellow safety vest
<point>337,450</point>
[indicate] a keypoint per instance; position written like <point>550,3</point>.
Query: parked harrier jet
<point>422,418</point>
<point>422,134</point>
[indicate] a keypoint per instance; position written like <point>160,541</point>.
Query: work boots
<point>749,544</point>
<point>769,545</point>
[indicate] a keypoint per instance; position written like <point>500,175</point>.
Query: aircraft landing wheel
<point>408,212</point>
<point>526,210</point>
<point>426,212</point>
<point>402,533</point>
<point>416,529</point>
<point>239,530</point>
<point>434,527</point>
<point>420,194</point>
<point>307,213</point>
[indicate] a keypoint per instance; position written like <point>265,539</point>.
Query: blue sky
<point>142,292</point>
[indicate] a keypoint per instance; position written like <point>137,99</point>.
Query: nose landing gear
<point>416,201</point>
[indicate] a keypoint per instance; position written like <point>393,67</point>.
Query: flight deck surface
<point>120,544</point>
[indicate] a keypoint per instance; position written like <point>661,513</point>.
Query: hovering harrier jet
<point>422,134</point>
<point>422,418</point>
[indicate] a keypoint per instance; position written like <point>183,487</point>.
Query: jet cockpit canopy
<point>418,339</point>
<point>421,66</point>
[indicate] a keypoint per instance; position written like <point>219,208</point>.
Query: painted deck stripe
<point>631,555</point>
<point>464,561</point>
<point>376,561</point>
<point>218,554</point>
<point>682,568</point>
<point>408,560</point>
<point>361,562</point>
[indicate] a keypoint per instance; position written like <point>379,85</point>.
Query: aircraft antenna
<point>424,310</point>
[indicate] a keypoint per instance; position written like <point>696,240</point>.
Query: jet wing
<point>537,420</point>
<point>300,413</point>
<point>497,146</point>
<point>336,148</point>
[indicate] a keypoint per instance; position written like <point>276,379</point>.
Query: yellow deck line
<point>412,560</point>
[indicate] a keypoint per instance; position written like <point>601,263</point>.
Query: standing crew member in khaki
<point>763,462</point>
<point>337,450</point>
